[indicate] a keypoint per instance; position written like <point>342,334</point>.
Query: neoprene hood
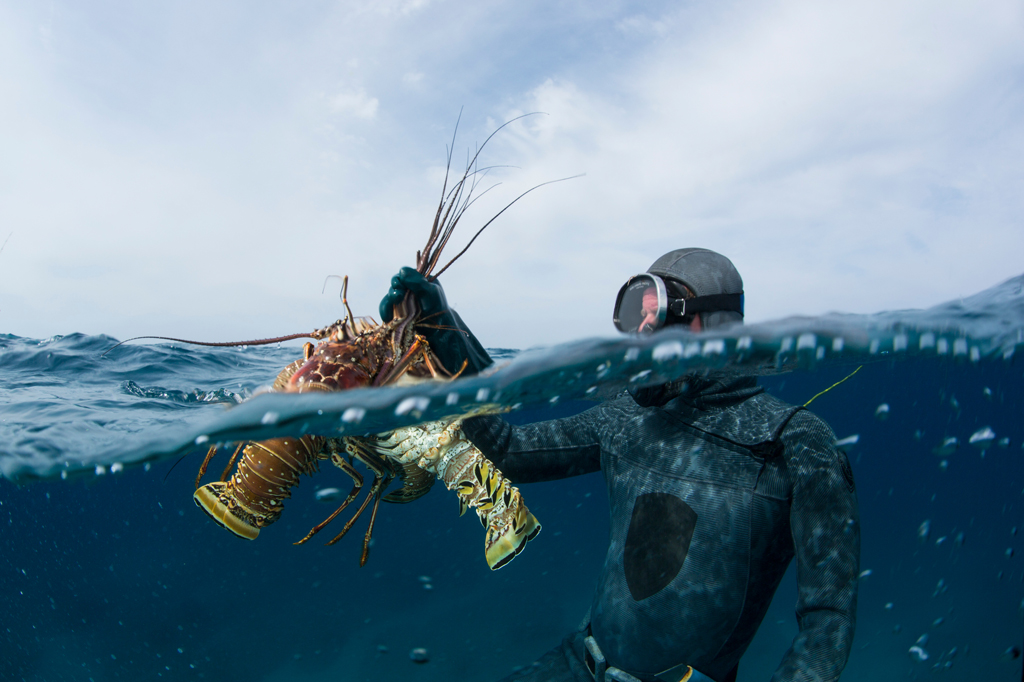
<point>705,272</point>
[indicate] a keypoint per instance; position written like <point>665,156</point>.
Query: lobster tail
<point>441,448</point>
<point>254,495</point>
<point>498,504</point>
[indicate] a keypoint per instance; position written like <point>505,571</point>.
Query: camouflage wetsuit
<point>711,496</point>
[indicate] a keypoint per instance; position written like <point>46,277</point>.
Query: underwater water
<point>109,571</point>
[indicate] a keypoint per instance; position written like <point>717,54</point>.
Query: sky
<point>199,169</point>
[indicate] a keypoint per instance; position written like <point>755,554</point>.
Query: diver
<point>714,486</point>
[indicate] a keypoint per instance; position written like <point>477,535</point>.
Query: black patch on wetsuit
<point>844,465</point>
<point>657,542</point>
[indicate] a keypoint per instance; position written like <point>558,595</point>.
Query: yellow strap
<point>689,672</point>
<point>832,386</point>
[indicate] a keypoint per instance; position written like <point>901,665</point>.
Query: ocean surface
<point>109,571</point>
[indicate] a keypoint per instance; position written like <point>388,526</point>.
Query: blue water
<point>109,571</point>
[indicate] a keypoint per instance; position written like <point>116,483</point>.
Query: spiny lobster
<point>358,353</point>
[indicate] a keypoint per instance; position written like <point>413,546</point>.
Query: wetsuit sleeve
<point>826,538</point>
<point>544,451</point>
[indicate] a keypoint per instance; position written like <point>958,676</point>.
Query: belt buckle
<point>598,666</point>
<point>594,658</point>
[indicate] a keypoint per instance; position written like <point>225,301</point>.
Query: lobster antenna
<point>496,215</point>
<point>328,278</point>
<point>448,233</point>
<point>254,342</point>
<point>470,199</point>
<point>344,300</point>
<point>458,199</point>
<point>176,463</point>
<point>455,201</point>
<point>444,191</point>
<point>443,224</point>
<point>344,295</point>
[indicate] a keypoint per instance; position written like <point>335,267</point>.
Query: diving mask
<point>647,303</point>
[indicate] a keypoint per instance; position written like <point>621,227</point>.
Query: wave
<point>70,409</point>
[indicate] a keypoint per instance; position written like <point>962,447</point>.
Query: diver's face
<point>649,313</point>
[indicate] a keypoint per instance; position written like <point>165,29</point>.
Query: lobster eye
<point>307,351</point>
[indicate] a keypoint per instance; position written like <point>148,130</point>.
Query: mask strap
<point>681,307</point>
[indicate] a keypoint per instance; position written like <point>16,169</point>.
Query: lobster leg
<point>231,462</point>
<point>357,480</point>
<point>383,474</point>
<point>206,462</point>
<point>209,456</point>
<point>373,517</point>
<point>418,347</point>
<point>362,507</point>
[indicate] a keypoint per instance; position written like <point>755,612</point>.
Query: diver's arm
<point>544,451</point>
<point>826,537</point>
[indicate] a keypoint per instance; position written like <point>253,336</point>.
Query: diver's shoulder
<point>768,401</point>
<point>801,416</point>
<point>623,403</point>
<point>809,430</point>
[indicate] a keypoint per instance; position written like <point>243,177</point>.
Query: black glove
<point>453,343</point>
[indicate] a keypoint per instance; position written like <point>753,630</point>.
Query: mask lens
<point>638,308</point>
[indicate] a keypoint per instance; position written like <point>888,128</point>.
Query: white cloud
<point>850,155</point>
<point>831,150</point>
<point>642,26</point>
<point>354,103</point>
<point>412,78</point>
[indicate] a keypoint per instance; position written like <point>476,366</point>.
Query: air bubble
<point>918,654</point>
<point>640,376</point>
<point>353,415</point>
<point>412,404</point>
<point>982,438</point>
<point>714,347</point>
<point>667,351</point>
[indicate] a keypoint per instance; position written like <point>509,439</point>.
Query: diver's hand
<point>448,336</point>
<point>429,295</point>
